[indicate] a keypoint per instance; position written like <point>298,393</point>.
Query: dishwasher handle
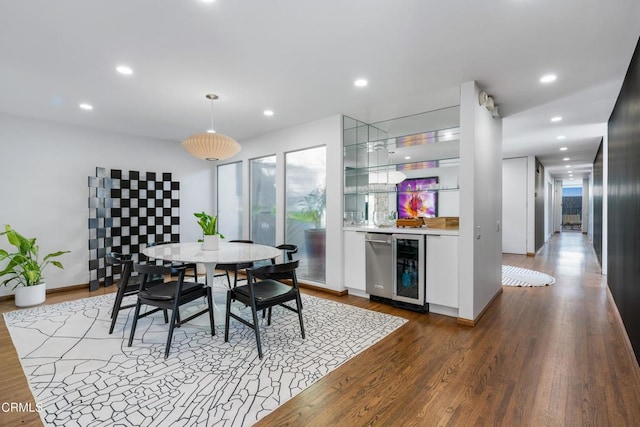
<point>386,242</point>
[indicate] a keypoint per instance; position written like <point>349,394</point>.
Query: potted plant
<point>24,268</point>
<point>209,225</point>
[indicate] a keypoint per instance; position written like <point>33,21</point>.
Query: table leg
<point>219,312</point>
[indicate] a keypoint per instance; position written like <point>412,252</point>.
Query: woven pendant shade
<point>211,146</point>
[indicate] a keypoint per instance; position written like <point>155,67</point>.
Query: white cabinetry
<point>442,272</point>
<point>354,262</point>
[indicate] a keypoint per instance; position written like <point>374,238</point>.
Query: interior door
<point>514,205</point>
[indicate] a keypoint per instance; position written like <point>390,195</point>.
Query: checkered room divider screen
<point>127,211</point>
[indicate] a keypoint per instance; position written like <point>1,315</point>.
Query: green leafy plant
<point>312,207</point>
<point>24,267</point>
<point>208,223</point>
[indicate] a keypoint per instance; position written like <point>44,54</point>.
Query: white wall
<point>531,204</point>
<point>44,184</point>
<point>514,205</point>
<point>327,132</point>
<point>480,204</point>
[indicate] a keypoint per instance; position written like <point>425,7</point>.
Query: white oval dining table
<point>229,253</point>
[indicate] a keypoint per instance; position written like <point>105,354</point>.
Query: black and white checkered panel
<point>128,211</point>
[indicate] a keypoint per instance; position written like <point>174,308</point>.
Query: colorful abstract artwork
<point>416,198</point>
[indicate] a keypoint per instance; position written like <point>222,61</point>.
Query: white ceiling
<point>300,58</point>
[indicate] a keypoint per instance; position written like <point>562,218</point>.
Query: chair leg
<point>269,317</point>
<point>227,317</point>
<point>166,317</point>
<point>117,303</point>
<point>256,328</point>
<point>135,322</point>
<point>116,309</point>
<point>210,302</point>
<point>174,315</point>
<point>299,304</point>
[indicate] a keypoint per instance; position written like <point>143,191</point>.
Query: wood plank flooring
<point>547,356</point>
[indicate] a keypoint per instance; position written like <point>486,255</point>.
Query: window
<point>230,200</point>
<point>306,172</point>
<point>262,201</point>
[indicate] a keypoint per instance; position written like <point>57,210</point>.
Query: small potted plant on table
<point>24,268</point>
<point>209,225</point>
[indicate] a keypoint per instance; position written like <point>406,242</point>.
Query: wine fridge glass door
<point>409,262</point>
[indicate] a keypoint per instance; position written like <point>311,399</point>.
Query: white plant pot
<point>27,296</point>
<point>211,243</point>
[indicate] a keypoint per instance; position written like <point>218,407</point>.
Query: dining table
<point>228,253</point>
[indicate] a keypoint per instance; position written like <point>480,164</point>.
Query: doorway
<point>572,208</point>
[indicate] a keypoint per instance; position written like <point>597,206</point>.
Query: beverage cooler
<point>396,269</point>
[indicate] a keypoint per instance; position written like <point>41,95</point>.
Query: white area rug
<point>516,276</point>
<point>82,376</point>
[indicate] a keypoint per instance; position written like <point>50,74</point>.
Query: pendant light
<point>211,145</point>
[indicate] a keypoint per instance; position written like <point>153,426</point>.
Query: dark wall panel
<point>624,202</point>
<point>598,173</point>
<point>539,205</point>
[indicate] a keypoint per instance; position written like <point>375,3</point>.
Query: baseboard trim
<point>50,291</point>
<point>531,254</point>
<point>322,289</point>
<point>471,323</point>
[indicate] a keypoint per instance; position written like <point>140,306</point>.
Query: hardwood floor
<point>546,356</point>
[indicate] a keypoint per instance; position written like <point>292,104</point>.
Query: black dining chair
<point>127,284</point>
<point>170,296</point>
<point>264,290</point>
<point>236,268</point>
<point>288,250</point>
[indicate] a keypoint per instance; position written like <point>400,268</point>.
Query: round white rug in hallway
<point>516,276</point>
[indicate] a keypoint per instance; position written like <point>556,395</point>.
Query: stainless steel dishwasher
<point>379,262</point>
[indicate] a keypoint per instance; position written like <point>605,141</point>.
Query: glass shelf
<point>378,155</point>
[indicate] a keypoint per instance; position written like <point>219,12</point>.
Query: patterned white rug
<point>516,276</point>
<point>83,376</point>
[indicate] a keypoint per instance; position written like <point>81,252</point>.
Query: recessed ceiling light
<point>548,78</point>
<point>407,157</point>
<point>556,119</point>
<point>567,166</point>
<point>211,131</point>
<point>268,113</point>
<point>560,137</point>
<point>361,83</point>
<point>563,148</point>
<point>570,172</point>
<point>566,159</point>
<point>207,1</point>
<point>123,69</point>
<point>86,106</point>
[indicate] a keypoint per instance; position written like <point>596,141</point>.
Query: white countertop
<point>403,230</point>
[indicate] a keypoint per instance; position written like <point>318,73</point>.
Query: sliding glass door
<point>306,173</point>
<point>230,200</point>
<point>262,200</point>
